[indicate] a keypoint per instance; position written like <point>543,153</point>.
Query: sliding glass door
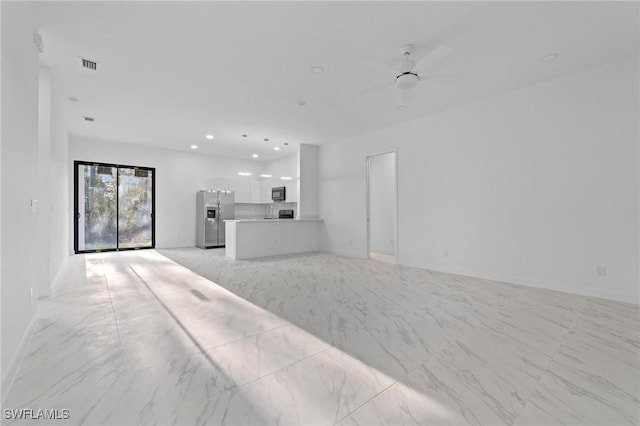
<point>135,207</point>
<point>96,207</point>
<point>114,207</point>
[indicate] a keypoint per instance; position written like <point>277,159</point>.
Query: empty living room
<point>320,213</point>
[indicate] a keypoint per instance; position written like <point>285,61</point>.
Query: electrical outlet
<point>601,271</point>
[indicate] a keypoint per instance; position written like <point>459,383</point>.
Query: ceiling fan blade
<point>442,77</point>
<point>408,95</point>
<point>375,88</point>
<point>433,57</point>
<point>381,67</point>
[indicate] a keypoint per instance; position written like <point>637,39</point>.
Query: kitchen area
<point>260,219</point>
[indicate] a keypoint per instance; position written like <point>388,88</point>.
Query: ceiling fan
<point>410,72</point>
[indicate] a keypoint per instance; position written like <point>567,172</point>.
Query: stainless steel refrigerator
<point>212,208</point>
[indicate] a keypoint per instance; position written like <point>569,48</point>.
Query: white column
<point>308,203</point>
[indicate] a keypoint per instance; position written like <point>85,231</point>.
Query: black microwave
<point>279,193</point>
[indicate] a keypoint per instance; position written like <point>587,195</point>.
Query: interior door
<point>381,207</point>
<point>113,207</point>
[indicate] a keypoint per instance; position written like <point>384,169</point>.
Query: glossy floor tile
<point>383,257</point>
<point>189,337</point>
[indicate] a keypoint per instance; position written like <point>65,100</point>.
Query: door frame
<point>76,206</point>
<point>367,209</point>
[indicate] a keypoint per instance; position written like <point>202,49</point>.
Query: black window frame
<point>76,206</point>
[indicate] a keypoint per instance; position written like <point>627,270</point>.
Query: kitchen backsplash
<point>260,211</point>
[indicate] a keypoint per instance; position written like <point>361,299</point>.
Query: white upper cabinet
<point>242,189</point>
<point>256,191</point>
<point>248,189</point>
<point>292,190</point>
<point>284,166</point>
<point>265,189</point>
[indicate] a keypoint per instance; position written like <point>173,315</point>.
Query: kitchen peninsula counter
<point>251,238</point>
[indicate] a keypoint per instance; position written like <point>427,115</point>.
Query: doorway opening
<point>381,208</point>
<point>114,207</point>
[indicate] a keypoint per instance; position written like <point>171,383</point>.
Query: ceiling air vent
<point>89,119</point>
<point>88,64</point>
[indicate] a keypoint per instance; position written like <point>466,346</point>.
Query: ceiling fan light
<point>406,81</point>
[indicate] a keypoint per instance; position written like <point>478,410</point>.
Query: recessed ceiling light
<point>244,135</point>
<point>317,69</point>
<point>286,177</point>
<point>244,173</point>
<point>209,137</point>
<point>286,143</point>
<point>550,57</point>
<point>266,139</point>
<point>276,148</point>
<point>194,146</point>
<point>74,100</point>
<point>255,155</point>
<point>265,176</point>
<point>401,107</point>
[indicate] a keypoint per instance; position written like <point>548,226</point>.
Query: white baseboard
<point>389,252</point>
<point>14,367</point>
<point>547,285</point>
<point>346,253</point>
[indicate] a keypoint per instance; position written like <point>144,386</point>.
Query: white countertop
<point>272,220</point>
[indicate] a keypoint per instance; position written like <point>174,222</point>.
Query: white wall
<point>44,177</point>
<point>19,154</point>
<point>60,212</point>
<point>535,186</point>
<point>179,175</point>
<point>382,206</point>
<point>307,187</point>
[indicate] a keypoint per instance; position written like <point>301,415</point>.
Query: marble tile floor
<point>189,337</point>
<point>383,257</point>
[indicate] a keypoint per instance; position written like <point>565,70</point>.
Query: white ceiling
<point>171,72</point>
